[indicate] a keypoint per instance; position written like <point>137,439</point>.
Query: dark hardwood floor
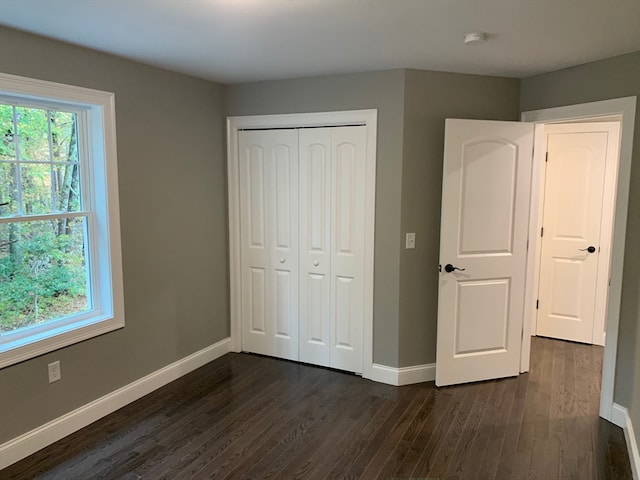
<point>245,416</point>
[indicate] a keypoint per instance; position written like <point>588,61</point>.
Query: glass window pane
<point>36,188</point>
<point>43,272</point>
<point>8,191</point>
<point>33,134</point>
<point>66,187</point>
<point>64,139</point>
<point>7,149</point>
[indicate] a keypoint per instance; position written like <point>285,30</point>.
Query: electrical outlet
<point>55,373</point>
<point>410,241</point>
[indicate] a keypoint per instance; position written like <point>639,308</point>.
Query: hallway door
<point>573,276</point>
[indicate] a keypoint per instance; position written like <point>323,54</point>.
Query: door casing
<point>368,118</point>
<point>624,107</point>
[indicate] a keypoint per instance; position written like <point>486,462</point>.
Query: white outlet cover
<point>54,371</point>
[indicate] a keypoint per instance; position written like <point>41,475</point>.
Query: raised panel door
<point>315,245</point>
<point>484,226</point>
<point>348,162</point>
<point>269,235</point>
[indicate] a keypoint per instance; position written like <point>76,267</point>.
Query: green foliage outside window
<point>43,274</point>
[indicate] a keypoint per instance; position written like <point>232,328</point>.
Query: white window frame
<point>99,177</point>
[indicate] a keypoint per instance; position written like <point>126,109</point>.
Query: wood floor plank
<point>185,448</point>
<point>185,424</point>
<point>395,442</point>
<point>514,464</point>
<point>455,466</point>
<point>449,441</point>
<point>491,459</point>
<point>426,439</point>
<point>300,444</point>
<point>456,396</point>
<point>542,370</point>
<point>274,435</point>
<point>363,439</point>
<point>251,417</point>
<point>471,466</point>
<point>398,455</point>
<point>373,456</point>
<point>328,445</point>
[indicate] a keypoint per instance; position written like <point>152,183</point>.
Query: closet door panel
<point>347,246</point>
<point>269,222</point>
<point>284,243</point>
<point>255,255</point>
<point>315,244</point>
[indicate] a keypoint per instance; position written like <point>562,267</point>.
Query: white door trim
<point>625,107</point>
<point>368,118</point>
<point>534,243</point>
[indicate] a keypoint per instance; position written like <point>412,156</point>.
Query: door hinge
<point>537,304</point>
<point>546,157</point>
<point>541,231</point>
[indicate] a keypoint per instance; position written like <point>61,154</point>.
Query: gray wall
<point>412,106</point>
<point>606,79</point>
<point>173,207</point>
<point>173,221</point>
<point>430,98</point>
<point>381,90</point>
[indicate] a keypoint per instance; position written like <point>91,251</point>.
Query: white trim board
<point>368,118</point>
<point>626,108</point>
<point>39,438</point>
<point>620,417</point>
<point>403,375</point>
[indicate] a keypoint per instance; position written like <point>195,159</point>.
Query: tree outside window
<point>44,271</point>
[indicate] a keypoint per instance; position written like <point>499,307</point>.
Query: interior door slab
<point>483,242</point>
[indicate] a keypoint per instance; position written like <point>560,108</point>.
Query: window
<point>60,261</point>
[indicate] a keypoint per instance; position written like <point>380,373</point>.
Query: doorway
<point>624,110</point>
<point>577,199</point>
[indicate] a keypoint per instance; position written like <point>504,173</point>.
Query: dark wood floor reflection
<point>246,416</point>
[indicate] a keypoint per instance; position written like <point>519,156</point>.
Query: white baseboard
<point>403,375</point>
<point>620,417</point>
<point>38,438</point>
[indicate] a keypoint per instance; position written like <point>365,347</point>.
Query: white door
<point>302,209</point>
<point>332,235</point>
<point>315,246</point>
<point>570,279</point>
<point>268,170</point>
<point>348,170</point>
<point>485,215</point>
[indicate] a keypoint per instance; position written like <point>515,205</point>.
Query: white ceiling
<point>246,40</point>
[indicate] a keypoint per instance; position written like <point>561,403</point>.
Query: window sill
<point>54,339</point>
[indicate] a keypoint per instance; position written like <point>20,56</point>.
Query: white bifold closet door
<point>269,232</point>
<point>332,172</point>
<point>302,230</point>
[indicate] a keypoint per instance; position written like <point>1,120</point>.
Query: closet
<point>302,233</point>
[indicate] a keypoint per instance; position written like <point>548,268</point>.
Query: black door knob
<point>590,249</point>
<point>450,268</point>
